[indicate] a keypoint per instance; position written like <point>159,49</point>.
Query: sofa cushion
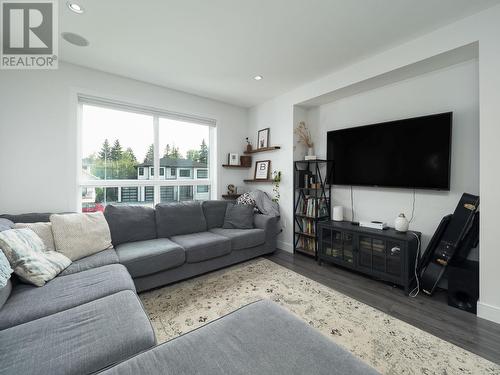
<point>29,258</point>
<point>80,340</point>
<point>28,218</point>
<point>80,235</point>
<point>260,338</point>
<point>102,258</point>
<point>174,219</point>
<point>5,293</point>
<point>202,246</point>
<point>214,212</point>
<point>42,230</point>
<point>130,223</point>
<point>238,216</point>
<point>147,257</point>
<point>242,238</point>
<point>27,302</point>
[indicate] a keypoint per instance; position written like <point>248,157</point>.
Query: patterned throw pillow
<point>29,258</point>
<point>43,230</point>
<point>246,198</point>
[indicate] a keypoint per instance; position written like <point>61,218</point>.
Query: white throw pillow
<point>29,258</point>
<point>80,235</point>
<point>43,230</point>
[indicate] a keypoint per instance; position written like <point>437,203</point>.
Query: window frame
<point>155,181</point>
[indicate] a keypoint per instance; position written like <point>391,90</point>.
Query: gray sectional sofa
<point>80,322</point>
<point>90,319</point>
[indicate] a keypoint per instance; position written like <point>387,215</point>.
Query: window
<point>202,189</point>
<point>121,165</point>
<point>202,173</point>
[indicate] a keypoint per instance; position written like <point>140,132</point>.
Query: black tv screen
<point>410,153</point>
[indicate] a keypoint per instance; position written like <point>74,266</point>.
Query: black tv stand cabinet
<point>387,255</point>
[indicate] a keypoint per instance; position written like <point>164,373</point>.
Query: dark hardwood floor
<point>430,314</point>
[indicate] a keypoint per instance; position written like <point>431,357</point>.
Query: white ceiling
<point>214,48</point>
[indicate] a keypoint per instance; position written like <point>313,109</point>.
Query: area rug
<point>388,344</point>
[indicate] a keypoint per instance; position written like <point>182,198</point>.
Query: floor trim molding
<point>285,246</point>
<point>488,312</point>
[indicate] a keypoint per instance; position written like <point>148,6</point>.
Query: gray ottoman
<point>260,338</point>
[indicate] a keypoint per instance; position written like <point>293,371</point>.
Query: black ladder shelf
<point>312,203</point>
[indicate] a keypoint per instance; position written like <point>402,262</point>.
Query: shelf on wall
<point>263,149</point>
<point>263,181</point>
<point>231,196</point>
<point>236,166</point>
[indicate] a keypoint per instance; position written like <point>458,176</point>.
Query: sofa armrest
<point>270,226</point>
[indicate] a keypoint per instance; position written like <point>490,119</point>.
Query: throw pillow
<point>43,230</point>
<point>80,235</point>
<point>5,224</point>
<point>28,257</point>
<point>238,216</point>
<point>5,270</point>
<point>246,198</point>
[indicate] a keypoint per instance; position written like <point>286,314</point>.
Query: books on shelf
<point>307,244</point>
<point>308,226</point>
<point>310,205</point>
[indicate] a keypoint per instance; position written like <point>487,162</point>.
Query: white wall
<point>482,28</point>
<point>38,138</point>
<point>455,89</point>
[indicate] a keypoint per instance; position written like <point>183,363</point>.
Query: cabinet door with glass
<point>337,245</point>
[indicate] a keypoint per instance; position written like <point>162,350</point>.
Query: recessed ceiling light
<point>75,39</point>
<point>258,78</point>
<point>77,8</point>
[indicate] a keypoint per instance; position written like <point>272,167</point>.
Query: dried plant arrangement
<point>304,135</point>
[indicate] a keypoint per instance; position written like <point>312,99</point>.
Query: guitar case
<point>447,241</point>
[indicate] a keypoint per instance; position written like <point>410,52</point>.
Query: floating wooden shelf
<point>263,181</point>
<point>263,149</point>
<point>231,196</point>
<point>235,166</point>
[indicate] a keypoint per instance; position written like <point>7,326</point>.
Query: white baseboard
<point>488,312</point>
<point>285,246</point>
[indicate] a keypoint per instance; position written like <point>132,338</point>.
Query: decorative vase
<point>249,147</point>
<point>310,151</point>
<point>401,223</point>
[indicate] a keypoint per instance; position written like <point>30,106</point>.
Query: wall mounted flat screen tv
<point>409,153</point>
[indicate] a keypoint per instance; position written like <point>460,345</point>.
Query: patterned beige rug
<point>386,343</point>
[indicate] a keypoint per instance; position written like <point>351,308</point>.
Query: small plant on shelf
<point>249,145</point>
<point>276,185</point>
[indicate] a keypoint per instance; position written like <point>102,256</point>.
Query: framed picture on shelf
<point>234,159</point>
<point>263,138</point>
<point>262,169</point>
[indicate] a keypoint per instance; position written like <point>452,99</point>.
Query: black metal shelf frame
<point>322,169</point>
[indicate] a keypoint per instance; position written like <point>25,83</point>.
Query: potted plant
<point>276,185</point>
<point>249,145</point>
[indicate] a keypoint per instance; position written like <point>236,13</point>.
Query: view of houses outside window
<point>118,159</point>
